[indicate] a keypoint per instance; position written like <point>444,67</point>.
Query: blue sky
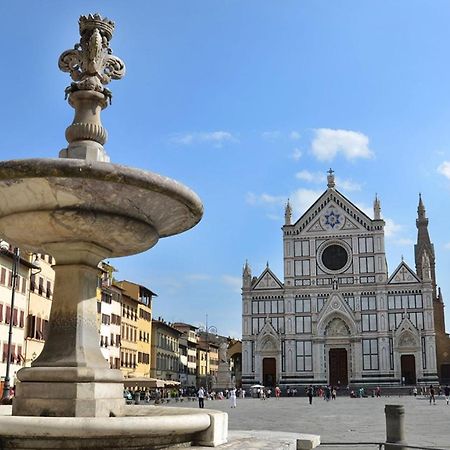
<point>249,103</point>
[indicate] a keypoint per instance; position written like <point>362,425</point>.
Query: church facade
<point>338,317</point>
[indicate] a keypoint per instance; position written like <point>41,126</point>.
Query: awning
<point>144,383</point>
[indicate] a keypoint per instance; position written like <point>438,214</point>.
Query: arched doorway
<point>269,372</point>
<point>408,367</point>
<point>338,366</point>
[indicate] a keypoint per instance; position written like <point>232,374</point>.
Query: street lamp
<point>4,248</point>
<point>208,329</point>
<point>15,269</point>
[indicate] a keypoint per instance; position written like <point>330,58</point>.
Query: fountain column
<point>71,377</point>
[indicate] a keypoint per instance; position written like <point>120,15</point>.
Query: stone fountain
<point>81,209</point>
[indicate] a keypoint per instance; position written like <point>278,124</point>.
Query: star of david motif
<point>332,219</point>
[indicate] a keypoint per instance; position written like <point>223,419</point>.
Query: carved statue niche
<point>407,340</point>
<point>337,327</point>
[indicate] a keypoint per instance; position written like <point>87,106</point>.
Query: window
<point>302,267</point>
<point>424,353</point>
<point>417,319</point>
<point>303,324</point>
<point>304,356</point>
<point>394,320</point>
<point>334,257</point>
<point>1,313</point>
<point>370,354</point>
<point>3,276</point>
<point>278,323</point>
<point>391,354</point>
<point>411,301</point>
<point>369,322</point>
<point>365,244</point>
<point>303,305</point>
<point>350,300</point>
<point>49,289</point>
<point>368,303</point>
<point>301,248</point>
<point>22,319</point>
<point>320,302</point>
<point>366,264</point>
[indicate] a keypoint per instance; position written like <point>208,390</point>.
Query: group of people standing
<point>432,393</point>
<point>327,393</point>
<point>231,394</point>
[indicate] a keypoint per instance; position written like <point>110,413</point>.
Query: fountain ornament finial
<point>91,65</point>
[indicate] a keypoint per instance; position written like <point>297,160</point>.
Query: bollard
<point>395,430</point>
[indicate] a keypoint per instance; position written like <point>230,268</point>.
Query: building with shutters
<point>338,316</point>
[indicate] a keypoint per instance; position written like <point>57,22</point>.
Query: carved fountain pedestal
<point>81,209</point>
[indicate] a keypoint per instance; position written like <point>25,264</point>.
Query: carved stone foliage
<point>91,63</point>
<point>407,340</point>
<point>337,327</point>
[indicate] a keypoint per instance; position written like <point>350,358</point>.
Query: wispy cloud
<point>294,135</point>
<point>391,228</point>
<point>444,169</point>
<point>347,185</point>
<point>327,143</point>
<point>216,138</point>
<point>310,177</point>
<point>272,135</point>
<point>296,154</point>
<point>264,199</point>
<point>302,199</point>
<point>447,246</point>
<point>235,283</point>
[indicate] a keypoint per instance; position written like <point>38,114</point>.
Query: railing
<point>379,445</point>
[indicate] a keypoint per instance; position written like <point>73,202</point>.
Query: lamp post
<point>4,249</point>
<point>208,329</point>
<point>15,270</point>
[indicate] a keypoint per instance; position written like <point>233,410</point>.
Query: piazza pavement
<point>342,420</point>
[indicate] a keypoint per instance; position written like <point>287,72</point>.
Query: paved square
<point>342,420</point>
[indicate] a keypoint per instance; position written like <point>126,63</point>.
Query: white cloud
<point>296,154</point>
<point>327,143</point>
<point>444,169</point>
<point>347,185</point>
<point>264,199</point>
<point>310,177</point>
<point>367,210</point>
<point>217,138</point>
<point>294,135</point>
<point>447,246</point>
<point>391,228</point>
<point>235,283</point>
<point>302,199</point>
<point>403,242</point>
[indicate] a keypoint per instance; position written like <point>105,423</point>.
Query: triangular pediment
<point>333,212</point>
<point>268,339</point>
<point>267,280</point>
<point>335,307</point>
<point>406,335</point>
<point>403,274</point>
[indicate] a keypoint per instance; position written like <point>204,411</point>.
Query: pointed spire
<point>330,179</point>
<point>246,275</point>
<point>421,217</point>
<point>267,264</point>
<point>287,213</point>
<point>377,208</point>
<point>440,298</point>
<point>424,249</point>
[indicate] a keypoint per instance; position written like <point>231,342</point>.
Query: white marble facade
<point>339,317</point>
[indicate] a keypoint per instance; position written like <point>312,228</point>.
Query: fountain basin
<point>44,202</point>
<point>149,427</point>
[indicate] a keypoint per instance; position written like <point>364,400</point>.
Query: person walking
<point>432,395</point>
<point>309,393</point>
<point>201,397</point>
<point>447,393</point>
<point>233,397</point>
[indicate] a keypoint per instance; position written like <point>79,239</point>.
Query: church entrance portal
<point>269,372</point>
<point>338,367</point>
<point>408,363</point>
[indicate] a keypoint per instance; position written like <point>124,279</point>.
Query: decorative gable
<point>268,339</point>
<point>268,280</point>
<point>333,212</point>
<point>403,274</point>
<point>335,307</point>
<point>407,336</point>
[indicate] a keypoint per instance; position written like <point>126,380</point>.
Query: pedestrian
<point>447,393</point>
<point>415,391</point>
<point>327,393</point>
<point>333,393</point>
<point>309,393</point>
<point>378,392</point>
<point>277,392</point>
<point>431,392</point>
<point>233,397</point>
<point>201,397</point>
